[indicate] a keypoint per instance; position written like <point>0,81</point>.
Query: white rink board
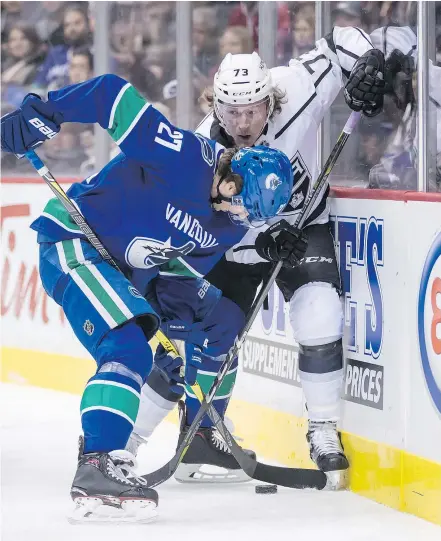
<point>387,243</point>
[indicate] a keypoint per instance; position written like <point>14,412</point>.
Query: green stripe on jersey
<point>55,209</point>
<point>128,107</point>
<point>176,267</point>
<point>108,395</point>
<point>92,283</point>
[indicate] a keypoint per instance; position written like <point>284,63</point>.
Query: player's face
<point>245,123</point>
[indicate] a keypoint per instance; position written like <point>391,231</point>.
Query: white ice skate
<point>327,452</point>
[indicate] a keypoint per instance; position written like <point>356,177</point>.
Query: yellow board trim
<point>379,471</point>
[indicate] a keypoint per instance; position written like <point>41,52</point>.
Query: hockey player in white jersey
<point>282,108</point>
<point>397,168</point>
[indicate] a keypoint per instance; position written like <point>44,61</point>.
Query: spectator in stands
<point>247,14</point>
<point>48,21</point>
<point>24,53</point>
<point>205,39</point>
<point>12,13</point>
<point>346,14</point>
<point>80,65</point>
<point>373,140</point>
<point>124,43</point>
<point>236,40</point>
<point>157,20</point>
<point>303,35</point>
<point>156,68</point>
<point>53,74</point>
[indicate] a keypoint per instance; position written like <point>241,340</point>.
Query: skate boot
<point>208,459</point>
<point>327,452</point>
<point>103,491</point>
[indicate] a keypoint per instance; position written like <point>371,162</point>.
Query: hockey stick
<point>79,219</point>
<point>257,470</point>
<point>290,477</point>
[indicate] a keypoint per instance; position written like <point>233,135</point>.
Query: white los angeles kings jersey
<point>311,84</point>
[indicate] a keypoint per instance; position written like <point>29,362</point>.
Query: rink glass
<point>140,43</point>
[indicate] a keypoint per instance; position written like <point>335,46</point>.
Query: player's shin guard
<point>109,407</point>
<point>110,402</point>
<point>157,401</point>
<point>321,374</point>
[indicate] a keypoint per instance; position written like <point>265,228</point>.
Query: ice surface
<point>39,446</point>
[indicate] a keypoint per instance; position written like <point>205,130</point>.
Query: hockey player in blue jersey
<point>171,200</point>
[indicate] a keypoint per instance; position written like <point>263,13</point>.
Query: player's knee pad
<point>221,327</point>
<point>321,359</point>
<point>316,314</point>
<point>160,385</point>
<point>126,345</point>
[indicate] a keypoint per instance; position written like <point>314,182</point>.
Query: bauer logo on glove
<point>30,125</point>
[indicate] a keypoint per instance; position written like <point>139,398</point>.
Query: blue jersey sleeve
<point>140,130</point>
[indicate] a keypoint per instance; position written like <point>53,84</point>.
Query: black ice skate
<point>103,491</point>
<point>327,452</point>
<point>206,455</point>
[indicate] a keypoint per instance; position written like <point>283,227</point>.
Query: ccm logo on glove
<point>45,130</point>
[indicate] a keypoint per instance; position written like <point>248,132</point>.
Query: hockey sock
<point>205,379</point>
<point>108,411</point>
<point>321,374</point>
<point>152,410</point>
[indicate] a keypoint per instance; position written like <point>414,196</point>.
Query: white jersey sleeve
<point>323,68</point>
<point>403,38</point>
<point>389,38</point>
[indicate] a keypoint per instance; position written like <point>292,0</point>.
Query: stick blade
<point>290,477</point>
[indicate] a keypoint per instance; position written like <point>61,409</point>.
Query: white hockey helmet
<point>242,79</point>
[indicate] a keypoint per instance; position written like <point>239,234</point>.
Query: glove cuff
<point>176,329</point>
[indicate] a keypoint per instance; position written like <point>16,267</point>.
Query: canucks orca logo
<point>145,253</point>
<point>272,181</point>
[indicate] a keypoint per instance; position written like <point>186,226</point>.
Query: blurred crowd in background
<point>47,45</point>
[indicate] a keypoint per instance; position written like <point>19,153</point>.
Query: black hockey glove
<point>282,242</point>
<point>366,87</point>
<point>398,71</point>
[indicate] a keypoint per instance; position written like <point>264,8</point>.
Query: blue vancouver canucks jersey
<point>150,205</point>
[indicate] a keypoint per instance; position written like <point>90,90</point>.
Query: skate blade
<point>337,480</point>
<point>92,510</point>
<point>205,473</point>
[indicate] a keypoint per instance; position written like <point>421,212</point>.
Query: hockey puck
<point>266,489</point>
